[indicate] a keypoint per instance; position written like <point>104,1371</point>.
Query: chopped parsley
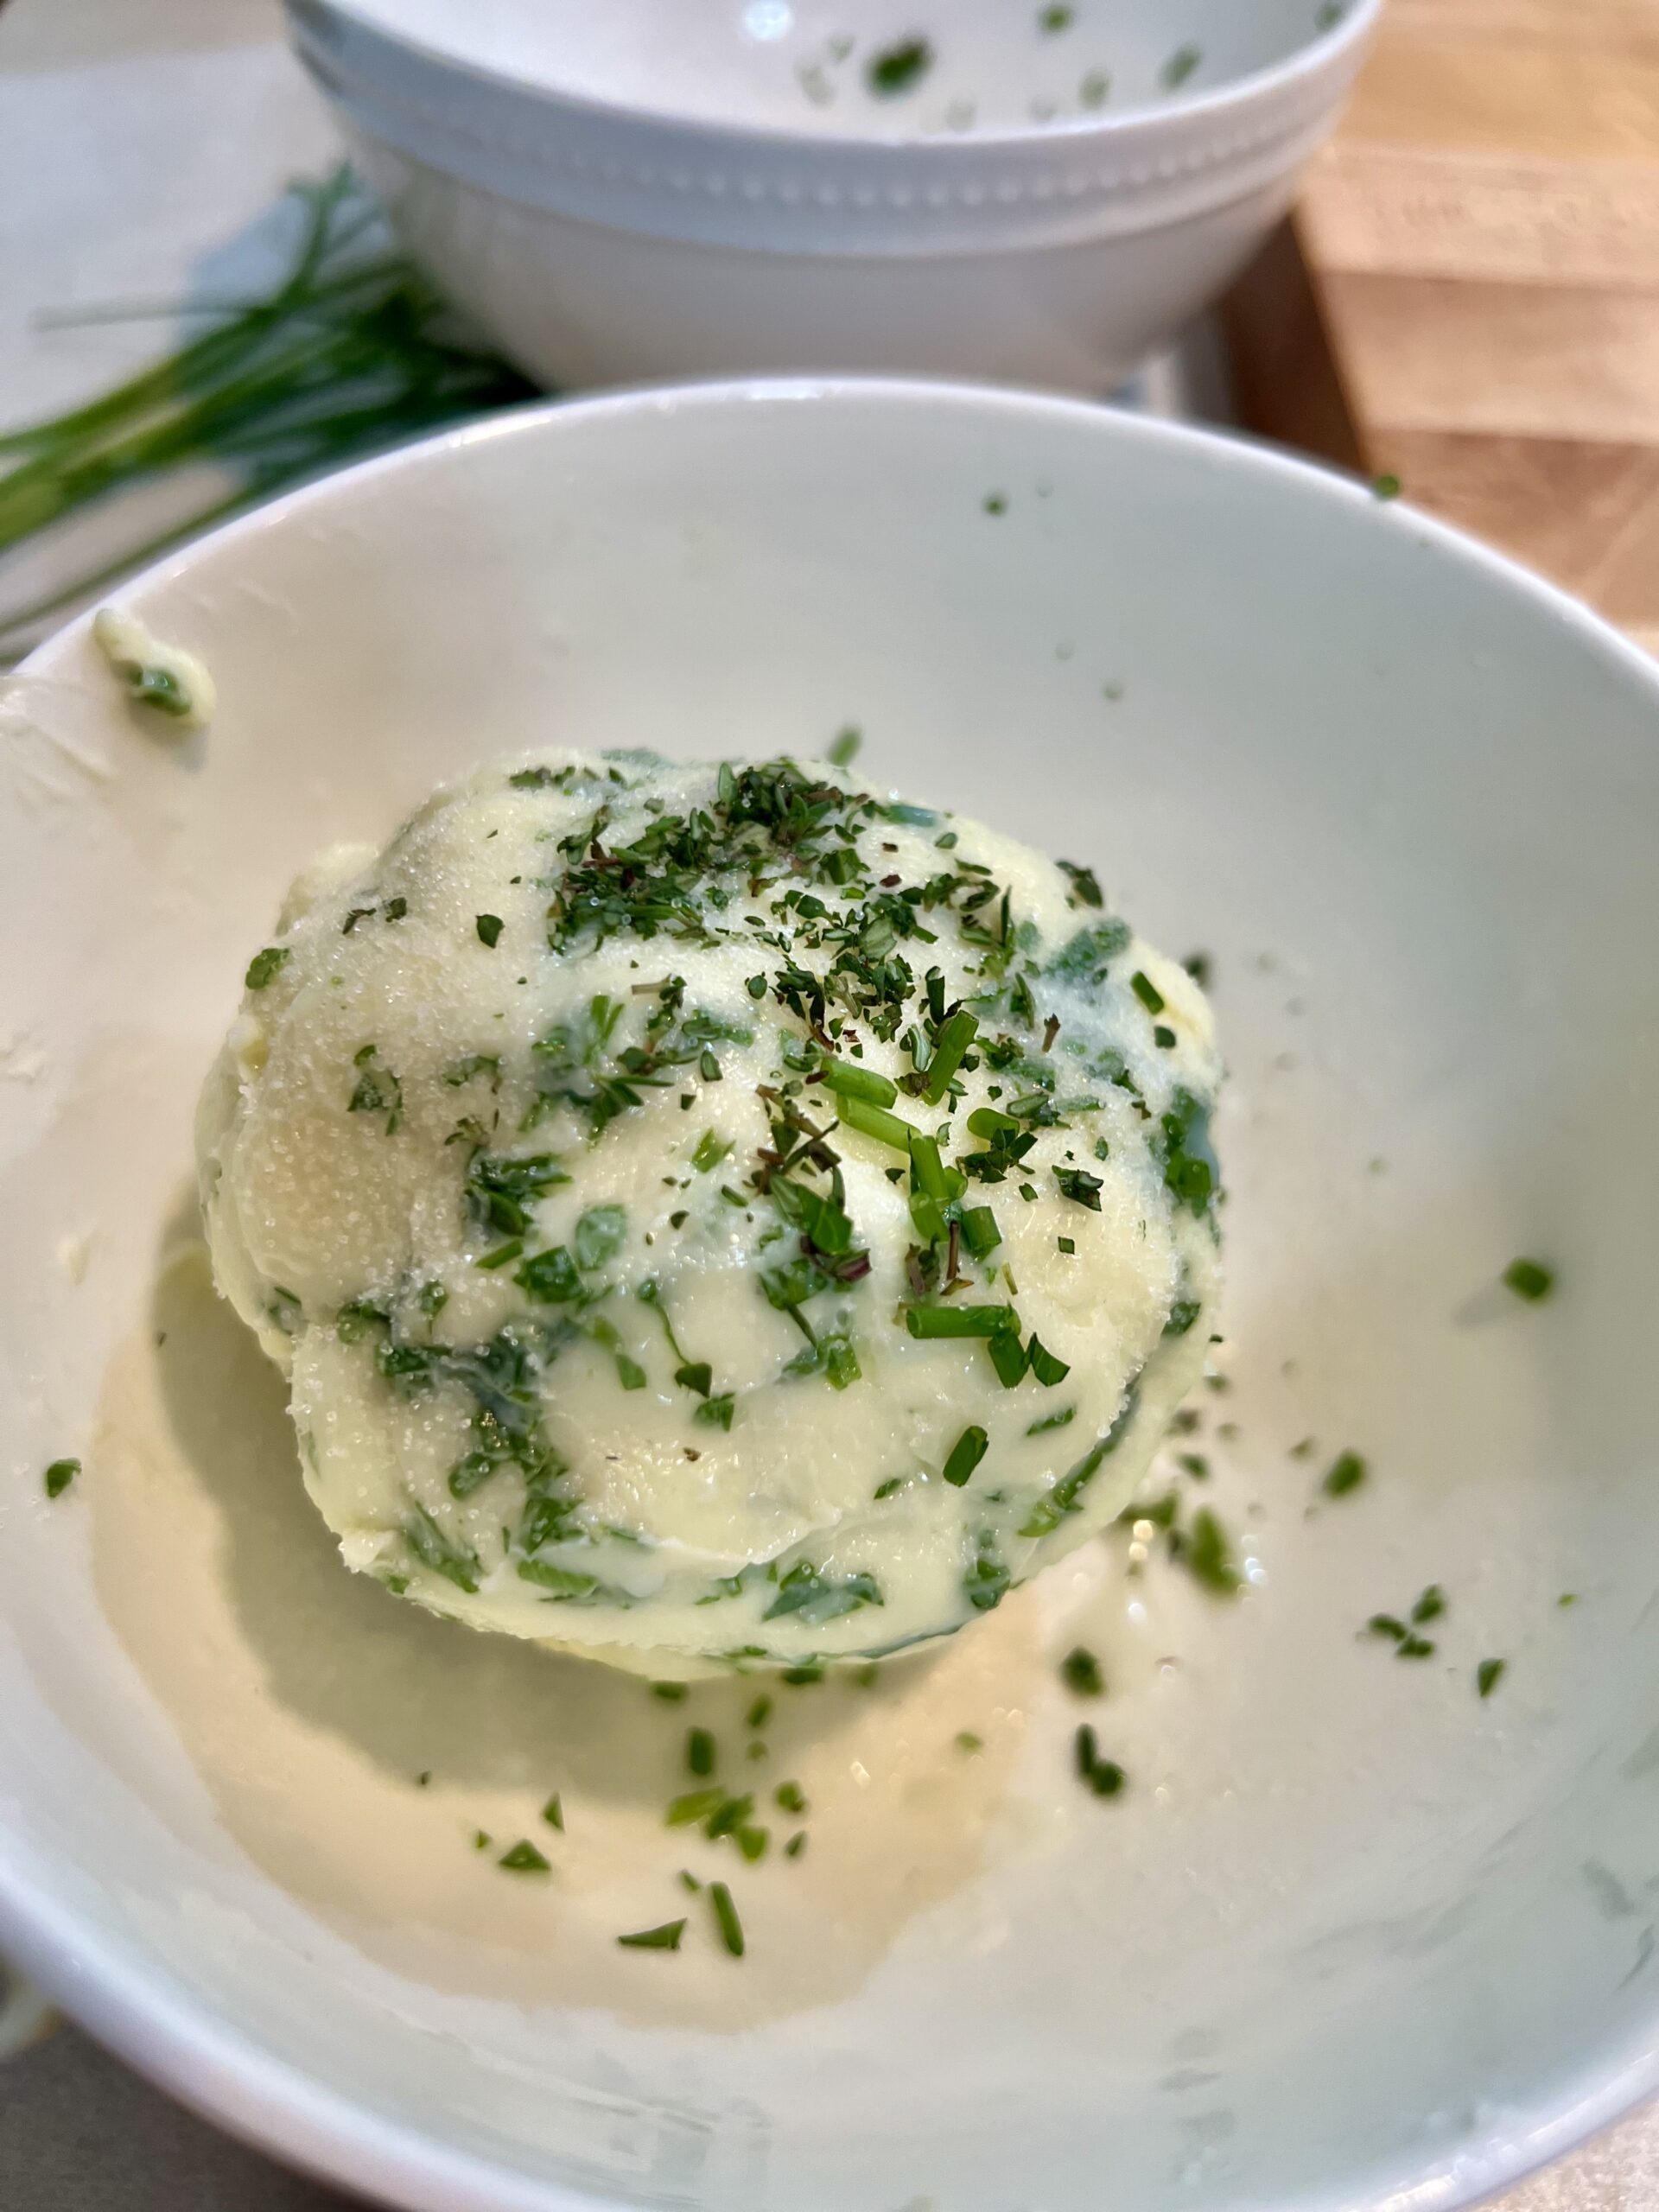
<point>700,1751</point>
<point>378,1089</point>
<point>1346,1473</point>
<point>813,1595</point>
<point>710,1151</point>
<point>1105,1776</point>
<point>1056,18</point>
<point>1207,1555</point>
<point>489,928</point>
<point>600,1236</point>
<point>1529,1279</point>
<point>844,751</point>
<point>1082,1189</point>
<point>1386,487</point>
<point>1489,1675</point>
<point>1080,1672</point>
<point>266,966</point>
<point>524,1859</point>
<point>553,1812</point>
<point>900,67</point>
<point>60,1475</point>
<point>1179,67</point>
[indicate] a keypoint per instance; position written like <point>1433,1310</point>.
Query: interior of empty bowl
<point>1360,1925</point>
<point>867,68</point>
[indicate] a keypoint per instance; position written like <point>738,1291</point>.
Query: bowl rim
<point>1333,53</point>
<point>220,2071</point>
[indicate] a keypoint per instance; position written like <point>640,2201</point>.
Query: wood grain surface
<point>1469,297</point>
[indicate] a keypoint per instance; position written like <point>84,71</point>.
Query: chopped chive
<point>60,1475</point>
<point>968,1743</point>
<point>696,1805</point>
<point>965,1455</point>
<point>1007,1358</point>
<point>553,1812</point>
<point>730,1927</point>
<point>875,1122</point>
<point>728,1817</point>
<point>796,1846</point>
<point>1529,1279</point>
<point>979,1230</point>
<point>759,1714</point>
<point>949,1046</point>
<point>1080,1672</point>
<point>960,1320</point>
<point>789,1797</point>
<point>1429,1606</point>
<point>844,751</point>
<point>1386,487</point>
<point>1063,1419</point>
<point>1489,1675</point>
<point>928,1172</point>
<point>849,1082</point>
<point>524,1858</point>
<point>502,1254</point>
<point>670,1692</point>
<point>1044,1366</point>
<point>700,1751</point>
<point>1147,991</point>
<point>665,1938</point>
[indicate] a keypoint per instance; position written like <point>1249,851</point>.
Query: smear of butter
<point>164,677</point>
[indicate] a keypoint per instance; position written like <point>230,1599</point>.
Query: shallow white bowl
<point>1353,1936</point>
<point>662,187</point>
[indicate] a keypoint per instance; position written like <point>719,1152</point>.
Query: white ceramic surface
<point>1353,1936</point>
<point>641,191</point>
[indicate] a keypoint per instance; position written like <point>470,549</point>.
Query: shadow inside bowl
<point>358,1748</point>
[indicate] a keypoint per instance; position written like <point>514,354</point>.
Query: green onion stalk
<point>352,352</point>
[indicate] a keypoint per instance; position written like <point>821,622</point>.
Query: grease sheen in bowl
<point>1350,1929</point>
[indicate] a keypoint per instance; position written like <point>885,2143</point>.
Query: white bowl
<point>646,189</point>
<point>1354,1936</point>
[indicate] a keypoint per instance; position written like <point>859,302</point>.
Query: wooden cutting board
<point>1468,296</point>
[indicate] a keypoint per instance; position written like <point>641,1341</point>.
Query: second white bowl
<point>605,220</point>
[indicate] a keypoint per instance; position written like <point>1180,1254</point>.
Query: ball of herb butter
<point>713,1214</point>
